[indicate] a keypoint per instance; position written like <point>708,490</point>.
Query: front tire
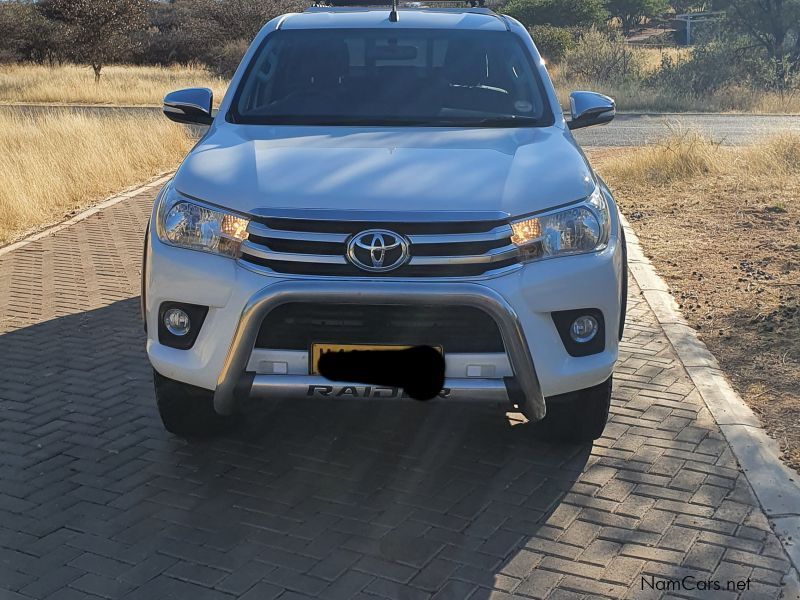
<point>186,410</point>
<point>577,416</point>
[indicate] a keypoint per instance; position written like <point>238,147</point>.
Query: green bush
<point>223,60</point>
<point>557,12</point>
<point>713,66</point>
<point>603,57</point>
<point>633,13</point>
<point>553,42</point>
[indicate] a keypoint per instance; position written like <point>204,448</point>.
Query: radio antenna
<point>393,15</point>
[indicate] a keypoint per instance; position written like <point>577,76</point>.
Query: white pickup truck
<point>382,177</point>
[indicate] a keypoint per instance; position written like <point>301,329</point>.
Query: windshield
<point>424,77</point>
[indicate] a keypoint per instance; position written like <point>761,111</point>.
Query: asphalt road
<point>628,129</point>
<point>640,129</point>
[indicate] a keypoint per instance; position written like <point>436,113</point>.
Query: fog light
<point>583,329</point>
<point>177,321</point>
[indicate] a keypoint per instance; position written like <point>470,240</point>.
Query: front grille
<point>297,325</point>
<point>315,246</point>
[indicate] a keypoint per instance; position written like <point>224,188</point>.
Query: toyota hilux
<point>377,178</point>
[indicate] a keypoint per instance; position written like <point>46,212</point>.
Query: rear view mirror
<point>394,52</point>
<point>590,108</point>
<point>192,105</point>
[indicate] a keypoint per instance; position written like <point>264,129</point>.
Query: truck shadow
<point>395,498</point>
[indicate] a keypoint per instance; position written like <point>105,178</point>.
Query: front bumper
<point>521,302</point>
<point>234,381</point>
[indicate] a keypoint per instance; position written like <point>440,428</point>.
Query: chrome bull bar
<point>311,386</point>
<point>233,382</point>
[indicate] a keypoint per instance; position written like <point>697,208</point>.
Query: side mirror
<point>590,108</point>
<point>192,105</point>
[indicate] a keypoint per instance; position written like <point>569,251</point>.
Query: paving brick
<point>331,567</point>
<point>522,564</point>
<point>243,578</point>
<point>408,549</point>
<point>390,589</point>
<point>553,563</point>
<point>47,583</point>
<point>634,506</point>
<point>100,586</point>
<point>592,587</point>
<point>350,584</point>
<point>539,584</point>
<point>754,560</point>
<point>199,574</point>
<point>553,548</point>
<point>580,533</point>
<point>434,575</point>
<point>655,554</point>
<point>600,552</point>
<point>623,570</point>
<point>386,569</point>
<point>263,591</point>
<point>678,538</point>
<point>99,565</point>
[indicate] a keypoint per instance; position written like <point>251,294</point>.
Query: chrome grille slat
<point>489,257</point>
<point>498,233</point>
<point>450,245</point>
<point>260,252</point>
<point>281,234</point>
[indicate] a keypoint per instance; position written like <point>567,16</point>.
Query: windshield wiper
<point>498,121</point>
<point>326,121</point>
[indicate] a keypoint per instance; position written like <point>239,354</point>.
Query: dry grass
<point>650,58</point>
<point>777,157</point>
<point>59,161</point>
<point>722,225</point>
<point>637,96</point>
<point>687,154</point>
<point>119,84</point>
<point>677,157</point>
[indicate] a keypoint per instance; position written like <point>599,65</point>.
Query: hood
<point>252,168</point>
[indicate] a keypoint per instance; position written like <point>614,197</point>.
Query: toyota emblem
<point>378,250</point>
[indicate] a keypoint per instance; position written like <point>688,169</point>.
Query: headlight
<point>183,223</point>
<point>576,230</point>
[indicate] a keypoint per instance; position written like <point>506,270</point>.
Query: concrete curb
<point>775,485</point>
<point>156,181</point>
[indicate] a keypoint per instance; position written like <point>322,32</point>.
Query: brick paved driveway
<point>335,500</point>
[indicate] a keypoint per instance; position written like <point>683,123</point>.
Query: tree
<point>603,57</point>
<point>631,13</point>
<point>25,34</point>
<point>557,12</point>
<point>553,42</point>
<point>215,32</point>
<point>685,6</point>
<point>97,32</point>
<point>774,26</point>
